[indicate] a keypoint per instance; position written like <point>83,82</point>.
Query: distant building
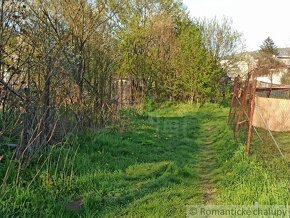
<point>250,61</point>
<point>284,56</point>
<point>240,68</point>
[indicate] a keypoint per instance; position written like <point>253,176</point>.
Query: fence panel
<point>260,113</point>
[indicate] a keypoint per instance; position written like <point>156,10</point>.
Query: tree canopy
<point>65,65</point>
<point>267,57</point>
<point>269,47</point>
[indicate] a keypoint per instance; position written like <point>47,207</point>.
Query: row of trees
<point>62,62</point>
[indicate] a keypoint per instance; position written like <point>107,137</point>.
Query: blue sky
<point>256,19</point>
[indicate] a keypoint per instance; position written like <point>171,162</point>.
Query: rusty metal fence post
<point>234,95</point>
<point>242,106</point>
<point>251,112</point>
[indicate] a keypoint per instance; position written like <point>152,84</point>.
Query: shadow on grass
<point>134,171</point>
<point>151,169</point>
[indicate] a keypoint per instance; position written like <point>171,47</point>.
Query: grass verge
<point>153,165</point>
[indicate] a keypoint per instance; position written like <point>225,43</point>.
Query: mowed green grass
<point>150,165</point>
<point>146,171</point>
<point>267,147</point>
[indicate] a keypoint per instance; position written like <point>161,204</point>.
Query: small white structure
<point>275,78</point>
<point>249,62</point>
<point>239,68</point>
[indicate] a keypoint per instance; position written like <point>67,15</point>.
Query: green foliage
<point>196,66</point>
<point>269,47</point>
<point>285,78</point>
<point>221,39</point>
<point>267,60</point>
<point>167,51</point>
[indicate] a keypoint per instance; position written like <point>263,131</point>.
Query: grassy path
<point>165,161</point>
<point>212,137</point>
<point>154,167</point>
<point>211,134</point>
<point>207,164</point>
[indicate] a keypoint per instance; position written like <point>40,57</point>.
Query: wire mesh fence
<point>260,116</point>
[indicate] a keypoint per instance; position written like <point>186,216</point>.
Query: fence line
<point>245,113</point>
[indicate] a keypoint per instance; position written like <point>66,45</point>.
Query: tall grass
<point>247,181</point>
<point>29,191</point>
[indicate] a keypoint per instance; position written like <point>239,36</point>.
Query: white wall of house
<point>276,77</point>
<point>242,68</point>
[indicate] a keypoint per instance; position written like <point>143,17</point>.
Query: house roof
<point>283,53</point>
